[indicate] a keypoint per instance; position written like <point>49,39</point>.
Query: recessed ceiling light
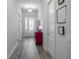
<point>29,10</point>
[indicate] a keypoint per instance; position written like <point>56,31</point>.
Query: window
<point>31,23</point>
<point>26,23</point>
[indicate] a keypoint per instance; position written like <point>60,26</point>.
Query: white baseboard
<point>12,51</point>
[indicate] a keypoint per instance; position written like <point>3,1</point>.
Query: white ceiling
<point>30,0</point>
<point>24,2</point>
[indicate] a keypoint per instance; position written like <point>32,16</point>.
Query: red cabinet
<point>38,38</point>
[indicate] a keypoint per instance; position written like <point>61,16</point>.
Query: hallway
<point>48,21</point>
<point>30,51</point>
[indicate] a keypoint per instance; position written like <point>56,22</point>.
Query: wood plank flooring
<point>30,51</point>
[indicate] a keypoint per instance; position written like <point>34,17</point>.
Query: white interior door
<point>51,28</point>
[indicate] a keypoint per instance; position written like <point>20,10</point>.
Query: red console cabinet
<point>38,38</point>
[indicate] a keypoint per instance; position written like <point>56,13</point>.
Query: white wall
<point>44,24</point>
<point>11,26</point>
<point>63,43</point>
<point>19,22</point>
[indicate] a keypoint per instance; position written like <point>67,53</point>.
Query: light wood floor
<point>30,51</point>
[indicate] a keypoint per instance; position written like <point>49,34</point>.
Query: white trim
<point>12,50</point>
